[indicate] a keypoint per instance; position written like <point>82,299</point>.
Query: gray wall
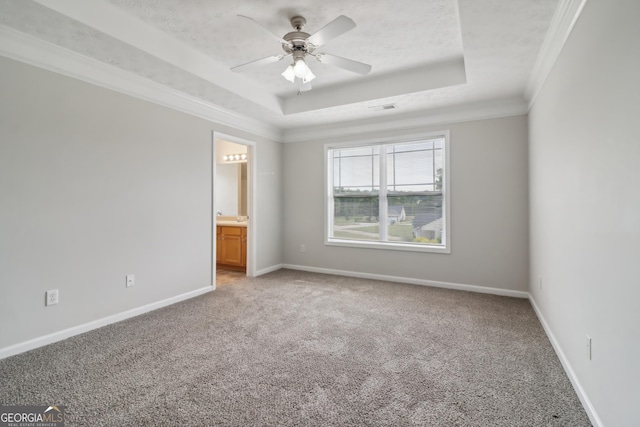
<point>268,225</point>
<point>489,212</point>
<point>585,206</point>
<point>95,185</point>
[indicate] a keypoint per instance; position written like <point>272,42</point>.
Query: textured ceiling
<point>425,55</point>
<point>402,42</point>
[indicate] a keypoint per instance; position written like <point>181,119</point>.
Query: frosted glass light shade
<point>300,68</point>
<point>310,76</point>
<point>289,74</point>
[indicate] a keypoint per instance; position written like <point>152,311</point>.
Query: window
<point>390,195</point>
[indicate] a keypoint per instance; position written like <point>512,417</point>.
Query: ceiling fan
<point>300,45</point>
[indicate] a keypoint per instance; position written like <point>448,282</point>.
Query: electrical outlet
<point>51,297</point>
<point>131,280</point>
<point>303,248</point>
<point>588,347</point>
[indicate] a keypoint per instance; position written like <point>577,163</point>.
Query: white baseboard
<point>268,270</point>
<point>423,282</point>
<point>582,395</point>
<point>76,330</point>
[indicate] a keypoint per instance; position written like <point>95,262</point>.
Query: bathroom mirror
<point>231,194</point>
<point>231,189</point>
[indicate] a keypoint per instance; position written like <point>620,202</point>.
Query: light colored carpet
<point>298,349</point>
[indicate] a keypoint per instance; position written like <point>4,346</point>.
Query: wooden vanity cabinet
<point>218,245</point>
<point>244,247</point>
<point>232,247</point>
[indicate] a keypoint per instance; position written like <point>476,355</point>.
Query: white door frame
<point>252,167</point>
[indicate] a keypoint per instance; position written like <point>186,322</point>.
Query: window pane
<point>356,169</point>
<point>410,167</point>
<point>414,184</point>
<point>357,172</point>
<point>414,181</point>
<point>416,218</point>
<point>356,218</point>
<point>414,168</point>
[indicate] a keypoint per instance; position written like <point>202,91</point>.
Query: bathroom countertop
<point>229,223</point>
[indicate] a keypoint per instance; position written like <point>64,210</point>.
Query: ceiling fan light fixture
<point>289,74</point>
<point>300,68</point>
<point>298,44</point>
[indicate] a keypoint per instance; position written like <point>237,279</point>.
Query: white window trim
<point>328,200</point>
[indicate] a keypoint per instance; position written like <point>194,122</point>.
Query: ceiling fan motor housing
<point>297,39</point>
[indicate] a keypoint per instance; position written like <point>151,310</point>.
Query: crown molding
<point>561,26</point>
<point>415,120</point>
<point>33,51</point>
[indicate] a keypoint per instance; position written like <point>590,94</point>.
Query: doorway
<point>233,209</point>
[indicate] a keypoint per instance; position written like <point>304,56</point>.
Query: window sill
<point>389,246</point>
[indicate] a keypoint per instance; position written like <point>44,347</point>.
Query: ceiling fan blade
<point>258,62</point>
<point>333,29</point>
<point>347,64</point>
<point>272,34</point>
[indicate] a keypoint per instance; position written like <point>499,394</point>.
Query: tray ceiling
<point>426,56</point>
